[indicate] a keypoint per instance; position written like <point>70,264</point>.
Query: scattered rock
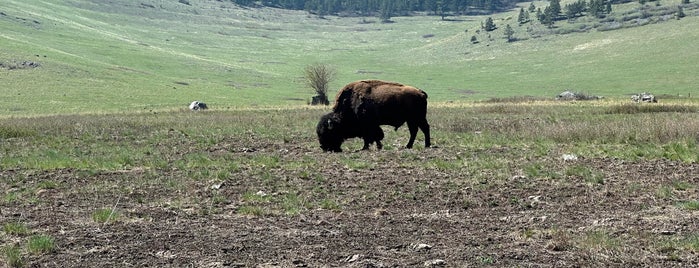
<point>569,96</point>
<point>216,186</point>
<point>421,247</point>
<point>353,258</point>
<point>569,157</point>
<point>643,97</point>
<point>196,106</point>
<point>667,232</point>
<point>435,263</point>
<point>299,263</point>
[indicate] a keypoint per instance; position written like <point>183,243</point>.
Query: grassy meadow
<point>161,55</point>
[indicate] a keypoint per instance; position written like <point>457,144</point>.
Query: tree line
<point>385,9</point>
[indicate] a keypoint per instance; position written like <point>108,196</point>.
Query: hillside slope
<point>85,56</point>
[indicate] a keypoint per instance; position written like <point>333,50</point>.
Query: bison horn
<point>330,124</point>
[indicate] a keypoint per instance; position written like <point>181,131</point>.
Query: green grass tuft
<point>15,228</point>
<point>40,244</point>
<point>689,205</point>
<point>105,215</point>
<point>13,256</point>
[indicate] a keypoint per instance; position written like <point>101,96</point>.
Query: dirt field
<point>388,209</point>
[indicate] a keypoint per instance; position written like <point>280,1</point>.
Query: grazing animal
<point>196,105</point>
<point>361,107</point>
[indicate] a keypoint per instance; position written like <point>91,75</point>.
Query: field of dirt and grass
<point>506,184</point>
<point>102,165</point>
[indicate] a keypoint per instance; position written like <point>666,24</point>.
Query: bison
<point>361,107</point>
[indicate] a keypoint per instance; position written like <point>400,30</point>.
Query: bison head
<point>330,133</point>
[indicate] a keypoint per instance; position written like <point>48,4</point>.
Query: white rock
<point>353,258</point>
<point>570,157</point>
<point>435,262</point>
<point>420,247</point>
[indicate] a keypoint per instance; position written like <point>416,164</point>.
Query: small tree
<point>509,33</point>
<point>523,16</point>
<point>555,6</point>
<point>318,77</point>
<point>547,18</point>
<point>489,25</point>
<point>680,13</point>
<point>474,39</point>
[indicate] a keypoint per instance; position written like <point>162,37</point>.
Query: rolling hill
<point>83,56</point>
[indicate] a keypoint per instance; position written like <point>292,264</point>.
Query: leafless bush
<point>318,77</point>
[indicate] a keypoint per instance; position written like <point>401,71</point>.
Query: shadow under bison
<point>361,107</point>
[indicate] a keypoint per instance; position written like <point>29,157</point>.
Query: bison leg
<point>425,127</point>
<point>413,127</point>
<point>374,134</point>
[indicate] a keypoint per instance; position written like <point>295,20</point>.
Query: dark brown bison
<point>362,107</point>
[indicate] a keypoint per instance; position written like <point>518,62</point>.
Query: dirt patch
<point>388,208</point>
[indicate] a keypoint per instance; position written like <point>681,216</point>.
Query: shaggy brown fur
<point>365,105</point>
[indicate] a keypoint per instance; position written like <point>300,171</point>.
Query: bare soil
<point>397,212</point>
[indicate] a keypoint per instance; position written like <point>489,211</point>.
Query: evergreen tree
<point>680,13</point>
<point>596,8</point>
<point>575,9</point>
<point>555,6</point>
<point>547,18</point>
<point>474,40</point>
<point>509,33</point>
<point>489,25</point>
<point>532,8</point>
<point>443,8</point>
<point>523,16</point>
<point>386,11</point>
<point>608,7</point>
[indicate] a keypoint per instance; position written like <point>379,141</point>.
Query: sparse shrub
<point>318,77</point>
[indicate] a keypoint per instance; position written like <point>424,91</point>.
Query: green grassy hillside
<point>96,57</point>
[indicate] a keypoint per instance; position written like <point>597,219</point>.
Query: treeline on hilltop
<point>385,9</point>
